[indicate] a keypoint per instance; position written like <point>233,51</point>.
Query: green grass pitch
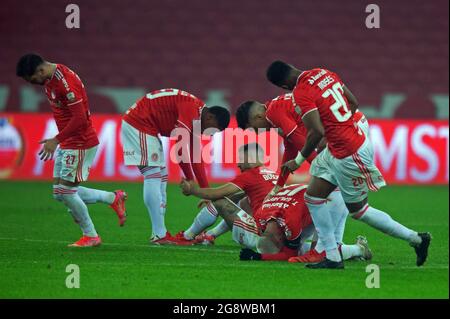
<point>35,230</point>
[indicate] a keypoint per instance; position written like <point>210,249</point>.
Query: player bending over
<point>77,142</point>
<point>327,109</point>
<point>161,112</point>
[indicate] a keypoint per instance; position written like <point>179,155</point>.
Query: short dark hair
<point>242,114</point>
<point>251,146</point>
<point>28,64</point>
<point>278,72</point>
<point>222,116</point>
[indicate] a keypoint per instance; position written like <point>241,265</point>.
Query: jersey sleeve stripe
<point>73,103</point>
<point>184,126</point>
<point>236,186</point>
<point>309,111</point>
<point>287,135</point>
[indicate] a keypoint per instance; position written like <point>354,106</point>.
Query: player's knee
<point>223,206</point>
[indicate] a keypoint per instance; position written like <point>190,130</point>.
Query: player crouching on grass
<point>77,142</point>
<point>277,237</point>
<point>166,112</point>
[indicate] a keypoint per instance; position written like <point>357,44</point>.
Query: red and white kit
<point>77,137</point>
<point>256,183</point>
<point>287,208</point>
<point>160,112</point>
<point>281,114</point>
<point>347,161</point>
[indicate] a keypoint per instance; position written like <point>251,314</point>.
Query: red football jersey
<point>288,209</point>
<point>256,182</point>
<point>281,113</point>
<point>322,90</point>
<point>164,110</point>
<point>70,107</point>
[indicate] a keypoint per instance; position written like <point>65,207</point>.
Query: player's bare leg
<point>316,200</point>
<point>67,192</point>
<point>384,223</point>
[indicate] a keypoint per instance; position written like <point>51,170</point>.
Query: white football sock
<point>92,196</point>
<point>350,251</point>
<point>383,222</point>
<point>338,212</point>
<point>78,209</point>
<point>220,229</point>
<point>152,199</point>
<point>205,218</point>
<point>324,225</point>
<point>164,178</point>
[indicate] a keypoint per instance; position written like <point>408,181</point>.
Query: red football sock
<point>284,254</point>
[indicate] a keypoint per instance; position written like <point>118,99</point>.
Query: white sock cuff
<point>311,200</point>
<point>361,212</point>
<point>212,210</point>
<point>65,190</point>
<point>151,172</point>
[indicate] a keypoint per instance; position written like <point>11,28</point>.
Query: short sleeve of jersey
<point>280,120</point>
<point>243,180</point>
<point>303,99</point>
<point>187,114</point>
<point>71,89</point>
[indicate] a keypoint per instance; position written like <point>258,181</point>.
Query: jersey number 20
<point>339,108</point>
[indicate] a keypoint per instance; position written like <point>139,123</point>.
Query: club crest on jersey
<point>155,157</point>
<point>70,96</point>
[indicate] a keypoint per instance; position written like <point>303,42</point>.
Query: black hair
<point>28,64</point>
<point>242,114</point>
<point>278,72</point>
<point>222,116</point>
<point>251,146</point>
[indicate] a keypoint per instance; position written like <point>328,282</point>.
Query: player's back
<point>281,113</point>
<point>286,207</point>
<point>161,111</point>
<point>322,90</point>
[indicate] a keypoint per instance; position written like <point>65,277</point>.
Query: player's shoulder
<point>65,78</point>
<point>278,105</point>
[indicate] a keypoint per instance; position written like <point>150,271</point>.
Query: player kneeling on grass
<point>161,113</point>
<point>77,142</point>
<point>256,183</point>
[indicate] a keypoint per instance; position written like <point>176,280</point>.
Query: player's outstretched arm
<point>190,188</point>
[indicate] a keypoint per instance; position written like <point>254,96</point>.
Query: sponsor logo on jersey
<point>71,96</point>
<point>314,78</point>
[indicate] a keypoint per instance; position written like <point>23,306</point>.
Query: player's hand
<point>48,149</point>
<point>187,186</point>
<point>272,192</point>
<point>248,254</point>
<point>291,165</point>
<point>203,203</point>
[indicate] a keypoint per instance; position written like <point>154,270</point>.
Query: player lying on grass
<point>77,142</point>
<point>256,181</point>
<point>327,109</point>
<point>161,112</point>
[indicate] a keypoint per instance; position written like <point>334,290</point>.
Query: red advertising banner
<point>406,151</point>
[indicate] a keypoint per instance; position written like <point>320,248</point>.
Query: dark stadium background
<point>219,51</point>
